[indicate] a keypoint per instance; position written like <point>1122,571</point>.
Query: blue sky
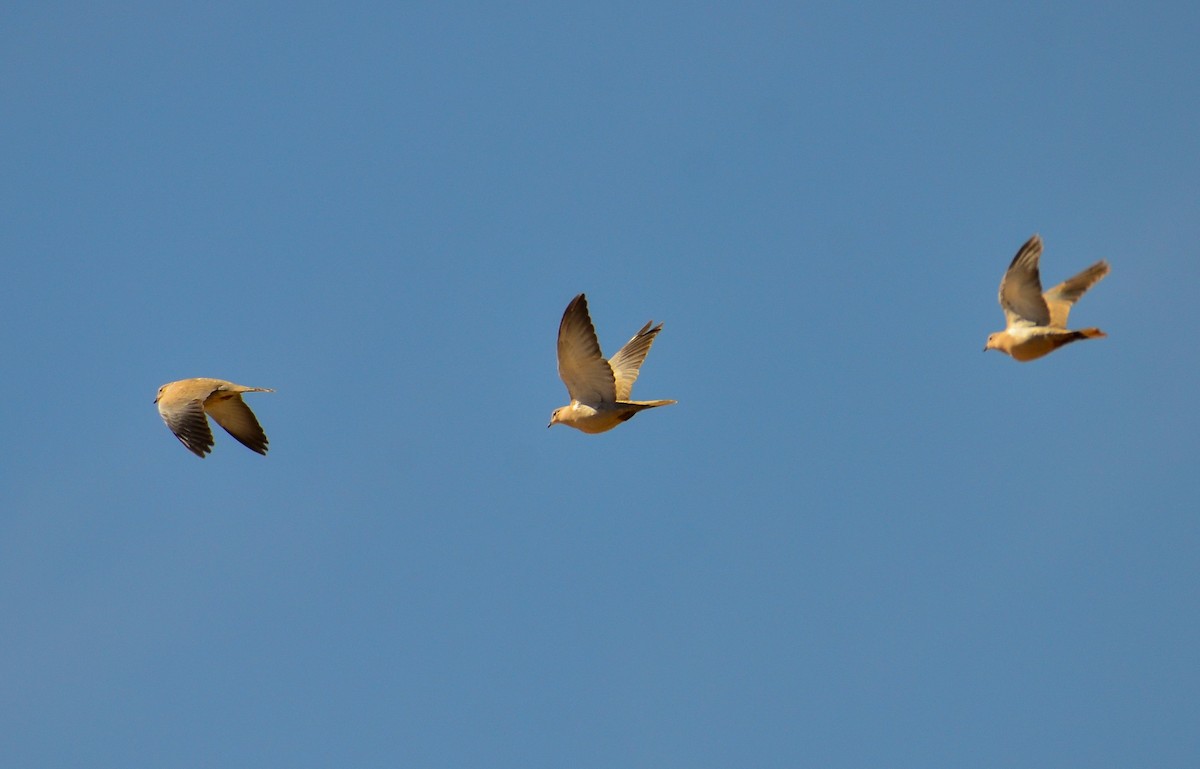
<point>856,541</point>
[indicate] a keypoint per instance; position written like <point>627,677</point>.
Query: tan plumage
<point>183,406</point>
<point>1036,322</point>
<point>599,388</point>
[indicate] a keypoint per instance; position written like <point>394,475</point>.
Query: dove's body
<point>602,417</point>
<point>599,388</point>
<point>1030,343</point>
<point>1036,321</point>
<point>184,404</point>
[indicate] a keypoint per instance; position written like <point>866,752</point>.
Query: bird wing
<point>185,417</point>
<point>1061,298</point>
<point>628,360</point>
<point>1021,288</point>
<point>588,377</point>
<point>232,413</point>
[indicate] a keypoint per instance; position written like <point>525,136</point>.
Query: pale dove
<point>599,388</point>
<point>1037,322</point>
<point>183,405</point>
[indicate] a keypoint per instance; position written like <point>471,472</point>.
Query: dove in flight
<point>599,388</point>
<point>183,406</point>
<point>1036,321</point>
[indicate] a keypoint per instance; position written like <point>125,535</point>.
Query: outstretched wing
<point>588,377</point>
<point>1061,298</point>
<point>1021,288</point>
<point>235,416</point>
<point>186,419</point>
<point>628,360</point>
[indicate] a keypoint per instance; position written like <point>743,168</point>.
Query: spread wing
<point>1021,288</point>
<point>1065,294</point>
<point>186,419</point>
<point>235,416</point>
<point>588,377</point>
<point>628,360</point>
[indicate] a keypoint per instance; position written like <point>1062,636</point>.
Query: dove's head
<point>554,418</point>
<point>994,342</point>
<point>160,392</point>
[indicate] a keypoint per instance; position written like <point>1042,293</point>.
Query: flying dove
<point>599,388</point>
<point>1037,322</point>
<point>183,405</point>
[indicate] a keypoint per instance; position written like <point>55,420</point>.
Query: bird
<point>183,406</point>
<point>1037,322</point>
<point>599,388</point>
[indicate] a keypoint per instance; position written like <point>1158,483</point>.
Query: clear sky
<point>857,541</point>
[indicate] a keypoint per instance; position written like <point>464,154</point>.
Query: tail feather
<point>633,407</point>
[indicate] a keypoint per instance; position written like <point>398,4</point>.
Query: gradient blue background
<point>856,542</point>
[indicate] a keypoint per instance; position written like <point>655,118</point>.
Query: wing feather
<point>232,413</point>
<point>1021,288</point>
<point>1062,297</point>
<point>588,377</point>
<point>187,421</point>
<point>628,360</point>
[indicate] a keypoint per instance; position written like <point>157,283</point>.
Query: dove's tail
<point>629,408</point>
<point>1058,340</point>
